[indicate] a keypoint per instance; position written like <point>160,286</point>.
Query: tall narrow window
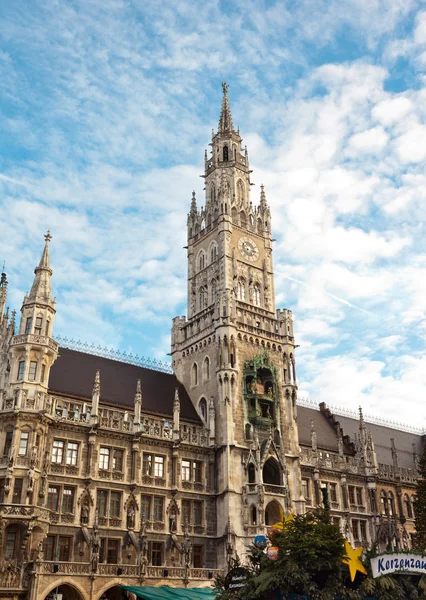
<point>147,464</point>
<point>156,554</point>
<point>146,508</point>
<point>225,153</point>
<point>21,370</point>
<point>256,295</point>
<point>23,443</point>
<point>58,451</point>
<point>104,459</point>
<point>112,552</point>
<point>206,368</point>
<point>213,253</point>
<point>52,498</point>
<point>68,500</point>
<point>197,470</point>
<point>198,513</point>
<point>64,546</point>
<point>17,491</point>
<point>203,408</point>
<point>197,555</point>
<point>28,325</point>
<point>10,544</point>
<point>32,370</point>
<point>186,470</point>
<point>158,508</point>
<point>117,460</point>
<point>72,453</point>
<point>214,290</point>
<point>186,512</point>
<point>8,443</point>
<point>102,502</point>
<point>159,466</point>
<point>115,504</point>
<point>47,328</point>
<point>38,325</point>
<point>49,547</point>
<point>203,295</point>
<point>43,373</point>
<point>194,374</point>
<point>241,292</point>
<point>201,261</point>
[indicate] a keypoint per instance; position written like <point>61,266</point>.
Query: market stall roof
<point>166,593</point>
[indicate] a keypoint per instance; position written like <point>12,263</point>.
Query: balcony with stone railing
<point>125,570</point>
<point>35,340</point>
<point>24,512</point>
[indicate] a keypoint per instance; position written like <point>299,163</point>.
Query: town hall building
<point>114,472</point>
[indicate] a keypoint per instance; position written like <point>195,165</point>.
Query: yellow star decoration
<point>352,560</point>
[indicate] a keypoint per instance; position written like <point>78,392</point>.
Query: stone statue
<point>130,517</point>
<point>84,516</point>
<point>30,476</point>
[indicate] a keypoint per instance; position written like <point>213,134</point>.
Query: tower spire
<point>225,121</point>
<point>41,286</point>
<point>3,294</point>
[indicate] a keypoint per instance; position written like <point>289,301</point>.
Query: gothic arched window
<point>225,153</point>
<point>201,261</point>
<point>256,295</point>
<point>203,408</point>
<point>203,298</point>
<point>195,374</point>
<point>251,473</point>
<point>241,289</point>
<point>391,504</point>
<point>384,503</point>
<point>240,191</point>
<point>206,368</point>
<point>408,508</point>
<point>213,253</point>
<point>253,515</point>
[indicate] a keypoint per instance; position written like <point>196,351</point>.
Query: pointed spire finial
<point>193,210</point>
<point>97,383</point>
<point>138,395</point>
<point>225,121</point>
<point>45,258</point>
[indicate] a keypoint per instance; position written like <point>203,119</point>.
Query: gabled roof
<point>73,374</point>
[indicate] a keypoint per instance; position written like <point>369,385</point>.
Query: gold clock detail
<point>248,248</point>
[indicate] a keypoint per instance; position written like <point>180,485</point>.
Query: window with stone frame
<point>32,371</point>
<point>102,502</point>
<point>72,454</point>
<point>359,496</point>
<point>104,455</point>
<point>306,490</point>
<point>23,443</point>
<point>197,469</point>
<point>117,460</point>
<point>49,548</point>
<point>332,488</point>
<point>146,507</point>
<point>186,512</point>
<point>68,494</point>
<point>351,491</point>
<point>156,551</point>
<point>64,548</point>
<point>158,508</point>
<point>7,443</point>
<point>28,325</point>
<point>198,512</point>
<point>363,530</point>
<point>38,325</point>
<point>53,498</point>
<point>115,504</point>
<point>21,370</point>
<point>198,556</point>
<point>17,491</point>
<point>10,544</point>
<point>147,464</point>
<point>159,466</point>
<point>186,470</point>
<point>112,551</point>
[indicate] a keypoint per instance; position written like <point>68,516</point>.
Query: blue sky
<point>107,107</point>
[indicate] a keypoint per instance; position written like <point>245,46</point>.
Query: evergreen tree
<point>420,504</point>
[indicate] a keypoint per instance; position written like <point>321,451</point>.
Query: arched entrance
<point>114,593</point>
<point>68,593</point>
<point>271,472</point>
<point>273,513</point>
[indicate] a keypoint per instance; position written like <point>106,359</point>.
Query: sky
<point>106,109</point>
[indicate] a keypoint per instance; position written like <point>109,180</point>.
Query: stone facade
<point>113,473</point>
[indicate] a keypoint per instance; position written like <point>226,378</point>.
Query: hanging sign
<point>236,579</point>
<point>398,562</point>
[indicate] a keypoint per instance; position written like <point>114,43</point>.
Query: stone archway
<point>113,593</point>
<point>273,513</point>
<point>68,591</point>
<point>272,472</point>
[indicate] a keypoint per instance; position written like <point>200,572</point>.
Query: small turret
<point>96,393</point>
<point>138,407</point>
<point>176,415</point>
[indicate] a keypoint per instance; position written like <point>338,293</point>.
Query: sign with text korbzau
<point>398,562</point>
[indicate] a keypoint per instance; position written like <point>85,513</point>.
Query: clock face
<point>248,248</point>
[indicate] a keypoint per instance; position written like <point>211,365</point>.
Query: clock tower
<point>235,352</point>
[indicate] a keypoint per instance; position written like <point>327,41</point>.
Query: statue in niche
<point>30,476</point>
<point>84,516</point>
<point>131,517</point>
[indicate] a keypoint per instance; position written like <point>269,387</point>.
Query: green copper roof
<point>167,593</point>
